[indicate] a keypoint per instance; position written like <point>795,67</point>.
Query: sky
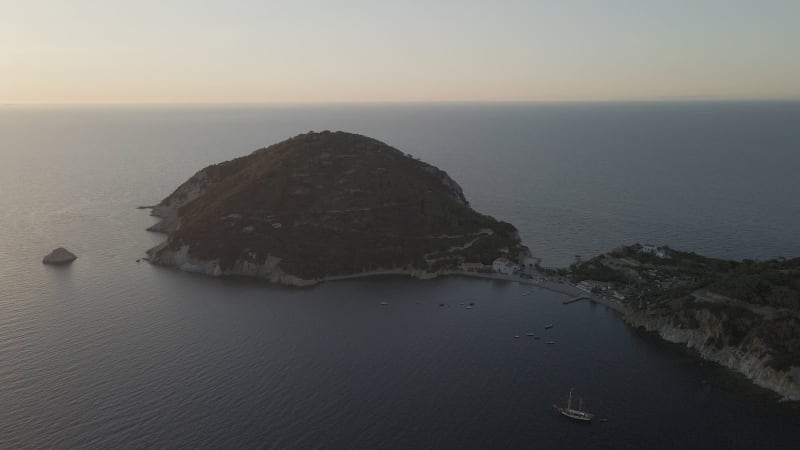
<point>176,51</point>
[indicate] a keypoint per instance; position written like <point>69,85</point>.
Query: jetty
<point>595,299</point>
<point>548,283</point>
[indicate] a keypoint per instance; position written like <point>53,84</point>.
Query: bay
<point>109,352</point>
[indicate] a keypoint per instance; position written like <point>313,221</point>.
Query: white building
<point>653,250</point>
<point>504,266</point>
<point>472,267</point>
<point>584,286</point>
<point>592,285</point>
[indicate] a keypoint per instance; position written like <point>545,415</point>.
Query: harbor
<point>553,284</point>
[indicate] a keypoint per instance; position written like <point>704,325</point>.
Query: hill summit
<point>323,205</point>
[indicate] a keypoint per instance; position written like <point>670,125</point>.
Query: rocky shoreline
<point>335,206</point>
<point>268,270</point>
<point>744,315</point>
<point>751,361</point>
<point>322,205</point>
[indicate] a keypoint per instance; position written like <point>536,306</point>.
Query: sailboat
<point>575,414</point>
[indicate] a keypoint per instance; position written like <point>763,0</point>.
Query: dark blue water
<point>110,353</point>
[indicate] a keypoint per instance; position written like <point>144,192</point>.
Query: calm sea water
<point>109,353</point>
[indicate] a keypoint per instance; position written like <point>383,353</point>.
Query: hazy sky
<point>76,51</point>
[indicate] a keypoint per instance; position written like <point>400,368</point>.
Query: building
<point>504,266</point>
<point>649,249</point>
<point>530,262</point>
<point>584,286</point>
<point>472,267</point>
<point>593,286</point>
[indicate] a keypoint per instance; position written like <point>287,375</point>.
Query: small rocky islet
<point>324,205</point>
<point>59,256</point>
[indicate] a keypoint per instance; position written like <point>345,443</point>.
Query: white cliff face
<point>268,269</point>
<point>750,361</point>
<point>184,261</point>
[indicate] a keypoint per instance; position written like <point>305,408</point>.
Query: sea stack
<point>326,205</point>
<point>59,256</point>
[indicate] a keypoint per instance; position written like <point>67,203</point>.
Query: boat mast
<point>569,400</point>
<point>580,404</point>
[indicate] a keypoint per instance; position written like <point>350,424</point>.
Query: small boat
<point>469,307</point>
<point>578,414</point>
<point>516,336</point>
<point>530,334</point>
<point>547,327</point>
<point>551,342</point>
<point>384,303</point>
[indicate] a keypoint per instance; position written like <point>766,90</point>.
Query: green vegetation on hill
<point>333,203</point>
<point>773,283</point>
<point>753,306</point>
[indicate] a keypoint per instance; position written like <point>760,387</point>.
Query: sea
<point>111,352</point>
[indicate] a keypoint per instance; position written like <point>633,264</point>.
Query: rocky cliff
<point>322,205</point>
<point>742,314</point>
<point>748,351</point>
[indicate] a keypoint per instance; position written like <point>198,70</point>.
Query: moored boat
<point>578,414</point>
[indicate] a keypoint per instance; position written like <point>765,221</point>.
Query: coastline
<point>750,364</point>
<point>563,288</point>
<point>270,271</point>
<point>750,368</point>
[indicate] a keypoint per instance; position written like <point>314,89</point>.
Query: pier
<point>573,292</point>
<point>576,299</point>
<point>602,301</point>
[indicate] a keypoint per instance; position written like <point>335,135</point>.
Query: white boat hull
<point>574,414</point>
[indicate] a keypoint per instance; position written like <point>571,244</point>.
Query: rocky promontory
<point>324,205</point>
<point>751,350</point>
<point>744,315</point>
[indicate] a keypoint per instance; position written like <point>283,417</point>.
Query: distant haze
<point>168,51</point>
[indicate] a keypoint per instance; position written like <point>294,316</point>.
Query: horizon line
<point>410,102</point>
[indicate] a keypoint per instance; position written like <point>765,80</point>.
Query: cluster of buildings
<point>649,249</point>
<point>505,266</point>
<point>502,265</point>
<point>599,287</point>
<point>593,286</point>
